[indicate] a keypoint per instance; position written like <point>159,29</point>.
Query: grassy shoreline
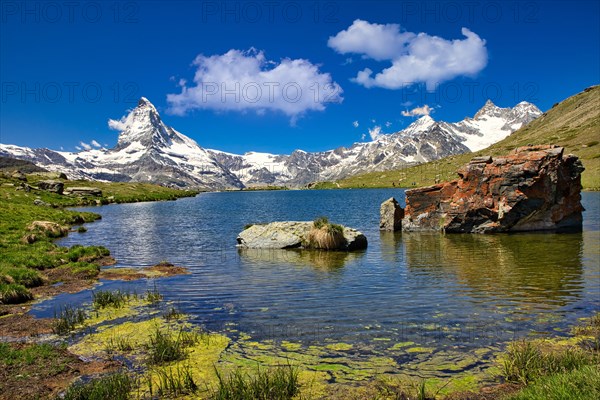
<point>31,219</point>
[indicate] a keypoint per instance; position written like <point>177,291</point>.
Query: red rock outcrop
<point>533,188</point>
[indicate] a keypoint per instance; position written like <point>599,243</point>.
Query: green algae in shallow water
<point>132,308</point>
<point>401,345</point>
<point>291,346</point>
<point>339,346</point>
<point>135,332</point>
<point>201,356</point>
<point>420,350</point>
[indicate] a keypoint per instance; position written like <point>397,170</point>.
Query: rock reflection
<point>322,260</point>
<point>524,268</point>
<point>391,246</point>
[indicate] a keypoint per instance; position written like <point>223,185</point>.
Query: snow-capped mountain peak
<point>150,151</point>
<point>489,109</point>
<point>420,125</point>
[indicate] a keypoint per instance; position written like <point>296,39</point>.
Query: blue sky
<point>301,68</point>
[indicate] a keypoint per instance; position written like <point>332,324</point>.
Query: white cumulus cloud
<point>415,58</point>
<point>246,80</point>
<point>355,124</point>
<point>117,125</point>
<point>85,146</point>
<point>377,41</point>
<point>95,144</point>
<point>425,110</point>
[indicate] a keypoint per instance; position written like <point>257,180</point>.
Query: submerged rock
<point>292,235</point>
<point>533,188</point>
<point>391,215</point>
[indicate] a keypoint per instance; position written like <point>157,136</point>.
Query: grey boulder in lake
<point>292,235</point>
<point>391,215</point>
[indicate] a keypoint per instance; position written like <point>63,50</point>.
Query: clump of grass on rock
<point>325,235</point>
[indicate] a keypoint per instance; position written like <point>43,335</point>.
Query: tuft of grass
<point>115,386</point>
<point>118,343</point>
<point>325,235</point>
<point>153,296</point>
<point>82,229</point>
<point>163,346</point>
<point>579,384</point>
<point>89,253</point>
<point>105,298</point>
<point>13,293</point>
<point>172,313</point>
<point>279,383</point>
<point>526,361</point>
<point>68,318</point>
<point>23,276</point>
<point>172,382</point>
<point>320,222</point>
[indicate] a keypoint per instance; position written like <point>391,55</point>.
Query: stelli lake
<point>438,304</point>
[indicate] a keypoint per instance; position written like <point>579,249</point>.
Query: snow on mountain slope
<point>147,150</point>
<point>492,124</point>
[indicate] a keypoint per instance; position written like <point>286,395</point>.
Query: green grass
<point>118,343</point>
<point>105,298</point>
<point>172,382</point>
<point>573,124</point>
<point>67,319</point>
<point>48,358</point>
<point>526,361</point>
<point>10,356</point>
<point>115,386</point>
<point>266,384</point>
<point>579,384</point>
<point>13,293</point>
<point>165,346</point>
<point>323,223</point>
<point>21,258</point>
<point>549,370</point>
<point>153,296</point>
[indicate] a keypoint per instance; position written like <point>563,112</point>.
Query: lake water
<point>452,292</point>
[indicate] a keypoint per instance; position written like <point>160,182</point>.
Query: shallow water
<point>448,292</point>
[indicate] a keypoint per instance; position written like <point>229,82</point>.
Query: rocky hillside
<point>8,164</point>
<point>573,124</point>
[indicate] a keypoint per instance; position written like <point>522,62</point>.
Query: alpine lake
<point>433,306</point>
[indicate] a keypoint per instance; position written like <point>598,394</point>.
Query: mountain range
<point>573,123</point>
<point>150,151</point>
